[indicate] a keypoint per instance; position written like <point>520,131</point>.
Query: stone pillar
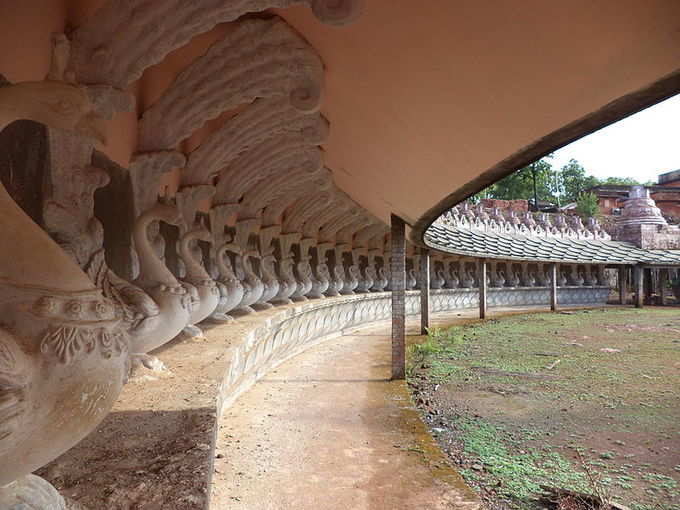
<point>424,290</point>
<point>553,287</point>
<point>663,281</point>
<point>649,286</point>
<point>398,286</point>
<point>639,286</point>
<point>482,288</point>
<point>623,285</point>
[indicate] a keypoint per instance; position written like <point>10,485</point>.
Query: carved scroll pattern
<point>330,229</point>
<point>146,171</point>
<point>284,183</point>
<point>14,379</point>
<point>333,210</point>
<point>543,225</point>
<point>124,37</point>
<point>269,158</point>
<point>260,58</point>
<point>315,185</point>
<point>304,209</point>
<point>188,200</point>
<point>364,237</point>
<point>262,119</point>
<point>346,233</point>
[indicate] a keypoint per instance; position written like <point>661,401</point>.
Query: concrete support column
<point>482,288</point>
<point>663,281</point>
<point>623,285</point>
<point>424,290</point>
<point>553,287</point>
<point>639,286</point>
<point>398,286</point>
<point>649,286</point>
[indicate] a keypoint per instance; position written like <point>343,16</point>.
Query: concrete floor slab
<point>328,430</point>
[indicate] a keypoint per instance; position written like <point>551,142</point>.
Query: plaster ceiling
<point>423,97</point>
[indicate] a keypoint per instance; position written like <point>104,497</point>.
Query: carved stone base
<point>147,361</point>
<point>193,332</point>
<point>299,299</point>
<point>220,318</point>
<point>262,306</point>
<point>74,505</point>
<point>282,301</point>
<point>244,310</point>
<point>31,493</point>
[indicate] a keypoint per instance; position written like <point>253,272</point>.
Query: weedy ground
<point>584,400</point>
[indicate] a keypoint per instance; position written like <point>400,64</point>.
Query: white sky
<point>641,146</point>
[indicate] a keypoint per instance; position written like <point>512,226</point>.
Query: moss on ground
<point>539,398</point>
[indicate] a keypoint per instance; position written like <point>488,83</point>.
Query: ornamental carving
<point>123,37</point>
<point>261,120</point>
<point>230,74</point>
<point>508,222</point>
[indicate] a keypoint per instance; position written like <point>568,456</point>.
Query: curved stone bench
<point>175,418</point>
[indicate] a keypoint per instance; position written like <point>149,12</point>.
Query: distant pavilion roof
<point>501,245</point>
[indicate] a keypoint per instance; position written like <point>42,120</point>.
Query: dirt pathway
<point>327,430</point>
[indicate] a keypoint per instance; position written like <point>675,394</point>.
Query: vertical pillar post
<point>482,288</point>
<point>398,274</point>
<point>623,285</point>
<point>663,281</point>
<point>648,280</point>
<point>553,287</point>
<point>639,286</point>
<point>424,290</point>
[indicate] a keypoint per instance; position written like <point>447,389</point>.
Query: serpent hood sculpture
<point>159,283</point>
<point>63,353</point>
<point>197,276</point>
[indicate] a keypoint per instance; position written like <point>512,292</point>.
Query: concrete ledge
<point>157,445</point>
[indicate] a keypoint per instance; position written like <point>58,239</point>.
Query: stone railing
<point>454,299</point>
<point>229,361</point>
<point>295,328</point>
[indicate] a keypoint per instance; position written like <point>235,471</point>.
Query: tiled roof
<point>476,243</point>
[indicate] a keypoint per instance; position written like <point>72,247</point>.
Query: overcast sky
<point>641,146</point>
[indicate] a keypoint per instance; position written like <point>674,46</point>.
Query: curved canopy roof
<point>432,101</point>
<point>496,245</point>
<point>427,102</point>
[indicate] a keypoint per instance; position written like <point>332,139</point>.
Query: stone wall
<point>298,327</point>
<point>513,205</point>
<point>210,376</point>
<point>650,237</point>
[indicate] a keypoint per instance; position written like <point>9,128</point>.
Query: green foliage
<point>586,205</point>
<point>439,341</point>
<point>561,186</point>
<point>574,181</point>
<point>507,360</point>
<point>520,184</point>
<point>520,474</point>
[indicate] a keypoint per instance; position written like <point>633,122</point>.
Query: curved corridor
<point>328,430</point>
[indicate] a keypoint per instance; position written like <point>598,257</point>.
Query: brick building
<point>666,195</point>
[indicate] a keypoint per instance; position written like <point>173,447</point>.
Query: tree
<point>557,186</point>
<point>520,184</point>
<point>574,181</point>
<point>619,181</point>
<point>586,205</point>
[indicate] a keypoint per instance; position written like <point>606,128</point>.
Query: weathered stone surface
<point>24,160</point>
<point>124,37</point>
<point>261,120</point>
<point>260,58</point>
<point>262,162</point>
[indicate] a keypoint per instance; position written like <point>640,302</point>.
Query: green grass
<point>612,406</point>
<point>518,475</point>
